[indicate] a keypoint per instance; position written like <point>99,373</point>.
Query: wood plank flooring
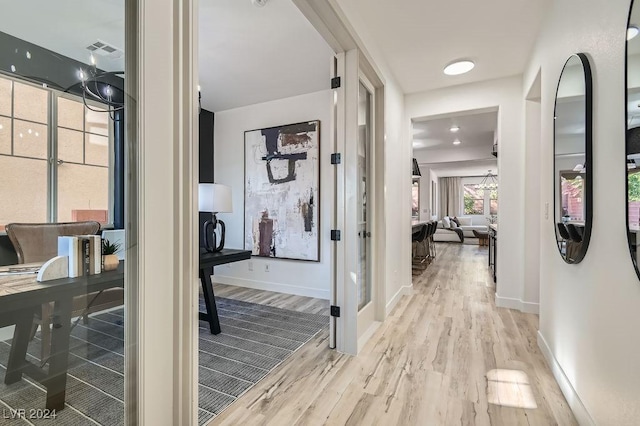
<point>446,355</point>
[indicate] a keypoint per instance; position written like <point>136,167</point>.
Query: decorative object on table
<point>282,183</point>
<point>84,253</point>
<point>214,198</point>
<point>492,218</point>
<point>69,246</point>
<point>53,269</point>
<point>110,261</point>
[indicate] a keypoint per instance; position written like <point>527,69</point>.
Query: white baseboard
<point>579,410</point>
<point>406,290</point>
<point>520,305</point>
<point>367,334</point>
<point>270,286</point>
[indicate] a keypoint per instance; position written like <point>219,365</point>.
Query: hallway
<point>428,364</point>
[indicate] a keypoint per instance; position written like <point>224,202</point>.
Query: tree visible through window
<point>634,198</point>
<point>493,200</point>
<point>473,200</point>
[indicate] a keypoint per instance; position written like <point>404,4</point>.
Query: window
<point>38,124</point>
<point>415,198</point>
<point>633,197</point>
<point>572,195</point>
<point>473,200</point>
<point>493,201</point>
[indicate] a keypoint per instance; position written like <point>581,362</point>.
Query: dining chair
<point>37,243</point>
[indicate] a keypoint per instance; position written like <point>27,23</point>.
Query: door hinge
<point>335,235</point>
<point>336,158</point>
<point>335,82</point>
<point>335,311</point>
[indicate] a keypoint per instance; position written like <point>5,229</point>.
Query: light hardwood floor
<point>445,356</point>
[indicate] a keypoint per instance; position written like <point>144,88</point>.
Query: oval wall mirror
<point>573,169</point>
<point>633,133</point>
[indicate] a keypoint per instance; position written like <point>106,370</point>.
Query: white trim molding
<point>271,286</point>
<point>406,290</point>
<point>579,410</point>
<point>518,304</point>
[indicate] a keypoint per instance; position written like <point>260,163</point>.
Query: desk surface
<point>21,290</point>
<point>208,260</point>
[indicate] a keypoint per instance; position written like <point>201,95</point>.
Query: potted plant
<point>109,259</point>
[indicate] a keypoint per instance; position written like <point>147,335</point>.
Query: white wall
<point>532,209</point>
<point>447,154</point>
<point>287,276</point>
<point>590,312</point>
<point>506,94</point>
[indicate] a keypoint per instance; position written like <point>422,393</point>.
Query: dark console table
<point>207,262</point>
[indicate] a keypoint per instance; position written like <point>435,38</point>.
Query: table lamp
<point>214,198</point>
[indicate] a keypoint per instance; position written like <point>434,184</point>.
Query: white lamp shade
<point>214,198</point>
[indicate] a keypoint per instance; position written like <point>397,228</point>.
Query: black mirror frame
<point>627,143</point>
<point>588,141</point>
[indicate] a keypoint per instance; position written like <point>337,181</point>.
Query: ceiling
<point>68,26</point>
<point>476,130</point>
<point>419,38</point>
<point>463,168</point>
<point>250,54</point>
<point>247,54</point>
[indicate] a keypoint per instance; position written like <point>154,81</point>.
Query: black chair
<point>433,226</point>
<point>574,234</point>
<point>563,231</point>
<point>418,239</point>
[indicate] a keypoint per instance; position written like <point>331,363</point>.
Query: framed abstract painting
<point>282,191</point>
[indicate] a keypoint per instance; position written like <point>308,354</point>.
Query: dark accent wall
<point>206,158</point>
<point>206,146</point>
<point>44,66</point>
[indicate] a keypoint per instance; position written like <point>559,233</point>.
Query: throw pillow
<point>446,222</point>
<point>454,225</point>
<point>455,219</point>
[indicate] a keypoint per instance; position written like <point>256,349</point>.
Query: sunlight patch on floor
<point>510,388</point>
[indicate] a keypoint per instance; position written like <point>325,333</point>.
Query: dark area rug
<point>254,340</point>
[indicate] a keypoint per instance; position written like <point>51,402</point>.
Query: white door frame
<point>353,59</point>
<point>161,193</point>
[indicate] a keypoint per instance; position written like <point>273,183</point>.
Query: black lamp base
<point>210,238</point>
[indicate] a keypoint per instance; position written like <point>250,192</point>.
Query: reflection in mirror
<point>633,132</point>
<point>415,198</point>
<point>573,169</point>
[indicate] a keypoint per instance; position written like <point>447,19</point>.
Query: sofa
<point>449,231</point>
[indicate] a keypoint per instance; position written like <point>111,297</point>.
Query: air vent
<point>101,48</point>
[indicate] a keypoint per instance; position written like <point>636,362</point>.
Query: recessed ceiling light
<point>459,67</point>
<point>454,129</point>
<point>632,31</point>
<point>457,142</point>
